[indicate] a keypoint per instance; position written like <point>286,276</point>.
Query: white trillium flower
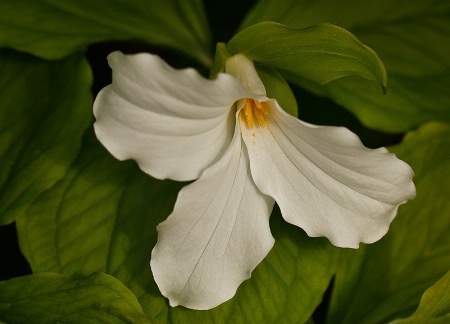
<point>245,153</point>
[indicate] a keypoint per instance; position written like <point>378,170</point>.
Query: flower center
<point>255,109</point>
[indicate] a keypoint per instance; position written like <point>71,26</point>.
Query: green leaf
<point>410,40</point>
<point>54,298</point>
<point>277,88</point>
<point>407,103</point>
<point>434,306</point>
<point>220,59</point>
<point>102,217</point>
<point>385,280</point>
<point>45,108</point>
<point>53,29</point>
<point>320,53</point>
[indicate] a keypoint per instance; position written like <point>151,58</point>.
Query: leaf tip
<point>220,58</point>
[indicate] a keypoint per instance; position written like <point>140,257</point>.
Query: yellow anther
<point>248,112</point>
<point>257,109</point>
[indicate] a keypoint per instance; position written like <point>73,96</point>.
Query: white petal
<point>174,123</point>
<point>325,181</point>
<point>244,70</point>
<point>217,234</point>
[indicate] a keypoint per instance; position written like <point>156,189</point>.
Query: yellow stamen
<point>256,108</point>
<point>248,112</point>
